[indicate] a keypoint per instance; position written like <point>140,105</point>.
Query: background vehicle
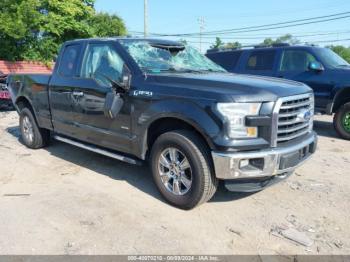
<point>320,68</point>
<point>5,99</point>
<point>161,101</point>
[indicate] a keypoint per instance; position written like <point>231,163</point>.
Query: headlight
<point>234,114</point>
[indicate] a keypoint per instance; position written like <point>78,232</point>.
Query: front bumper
<point>264,163</point>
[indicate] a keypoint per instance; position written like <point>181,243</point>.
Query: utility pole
<point>145,18</point>
<point>201,22</point>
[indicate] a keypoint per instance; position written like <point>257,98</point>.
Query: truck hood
<point>230,87</point>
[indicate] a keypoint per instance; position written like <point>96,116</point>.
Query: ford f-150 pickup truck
<point>162,102</point>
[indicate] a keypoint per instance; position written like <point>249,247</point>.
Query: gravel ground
<point>64,200</point>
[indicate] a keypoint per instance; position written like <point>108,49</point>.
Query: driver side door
<point>101,63</point>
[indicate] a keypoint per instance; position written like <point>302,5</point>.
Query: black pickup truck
<point>160,101</point>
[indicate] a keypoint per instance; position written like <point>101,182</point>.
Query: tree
<point>233,45</point>
<point>344,52</point>
<point>19,20</point>
<point>34,29</point>
<point>288,38</point>
<point>106,25</point>
<point>218,43</point>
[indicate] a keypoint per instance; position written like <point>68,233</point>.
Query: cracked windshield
<point>157,58</point>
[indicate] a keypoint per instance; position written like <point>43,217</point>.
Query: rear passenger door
<point>260,62</point>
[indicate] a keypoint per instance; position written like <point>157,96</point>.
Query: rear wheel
<point>341,121</point>
<point>181,169</point>
<point>32,136</point>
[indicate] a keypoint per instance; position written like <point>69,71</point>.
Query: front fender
<point>200,116</point>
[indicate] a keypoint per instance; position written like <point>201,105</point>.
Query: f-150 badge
<point>143,93</point>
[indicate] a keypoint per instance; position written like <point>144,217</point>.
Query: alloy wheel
<point>28,130</point>
<point>175,171</point>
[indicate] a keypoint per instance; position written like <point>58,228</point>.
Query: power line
<point>286,24</point>
<point>296,34</point>
<point>330,41</point>
<point>305,42</point>
<point>265,36</point>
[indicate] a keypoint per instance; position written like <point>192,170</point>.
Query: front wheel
<point>181,168</point>
<point>341,121</point>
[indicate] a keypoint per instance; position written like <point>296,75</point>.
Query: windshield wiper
<point>213,71</point>
<point>180,70</point>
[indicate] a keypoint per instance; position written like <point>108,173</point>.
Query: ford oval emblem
<point>307,115</point>
<point>304,116</point>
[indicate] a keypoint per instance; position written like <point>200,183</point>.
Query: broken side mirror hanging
<point>113,104</point>
<point>126,78</point>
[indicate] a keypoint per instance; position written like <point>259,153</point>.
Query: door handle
<point>78,94</point>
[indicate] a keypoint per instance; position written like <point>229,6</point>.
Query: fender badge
<point>143,93</point>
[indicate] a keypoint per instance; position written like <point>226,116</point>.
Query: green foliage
<point>233,45</point>
<point>288,38</point>
<point>34,29</point>
<point>106,25</point>
<point>218,43</point>
<point>342,51</point>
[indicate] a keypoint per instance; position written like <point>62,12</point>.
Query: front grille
<point>294,117</point>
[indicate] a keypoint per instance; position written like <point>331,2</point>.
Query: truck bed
<point>34,87</point>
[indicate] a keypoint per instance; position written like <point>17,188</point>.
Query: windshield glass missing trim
<point>157,58</point>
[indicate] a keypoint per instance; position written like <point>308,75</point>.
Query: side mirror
<point>113,105</point>
<point>316,66</point>
<point>125,79</point>
<point>125,83</point>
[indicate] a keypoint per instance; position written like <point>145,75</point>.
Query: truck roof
<point>260,47</point>
<point>151,40</point>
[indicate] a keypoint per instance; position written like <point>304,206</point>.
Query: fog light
<point>258,163</point>
<point>243,163</point>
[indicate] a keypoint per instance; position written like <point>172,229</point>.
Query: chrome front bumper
<point>263,163</point>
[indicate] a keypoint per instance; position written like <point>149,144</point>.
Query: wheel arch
<point>169,123</point>
<point>340,98</point>
<point>24,102</point>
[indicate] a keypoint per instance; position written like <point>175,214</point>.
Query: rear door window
<point>69,61</point>
<point>262,60</point>
<point>296,60</point>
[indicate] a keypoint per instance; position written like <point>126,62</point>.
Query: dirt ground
<point>64,200</point>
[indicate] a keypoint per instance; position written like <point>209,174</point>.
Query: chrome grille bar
<point>292,118</point>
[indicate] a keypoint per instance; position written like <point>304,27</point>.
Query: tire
<point>32,136</point>
<point>341,121</point>
<point>175,186</point>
